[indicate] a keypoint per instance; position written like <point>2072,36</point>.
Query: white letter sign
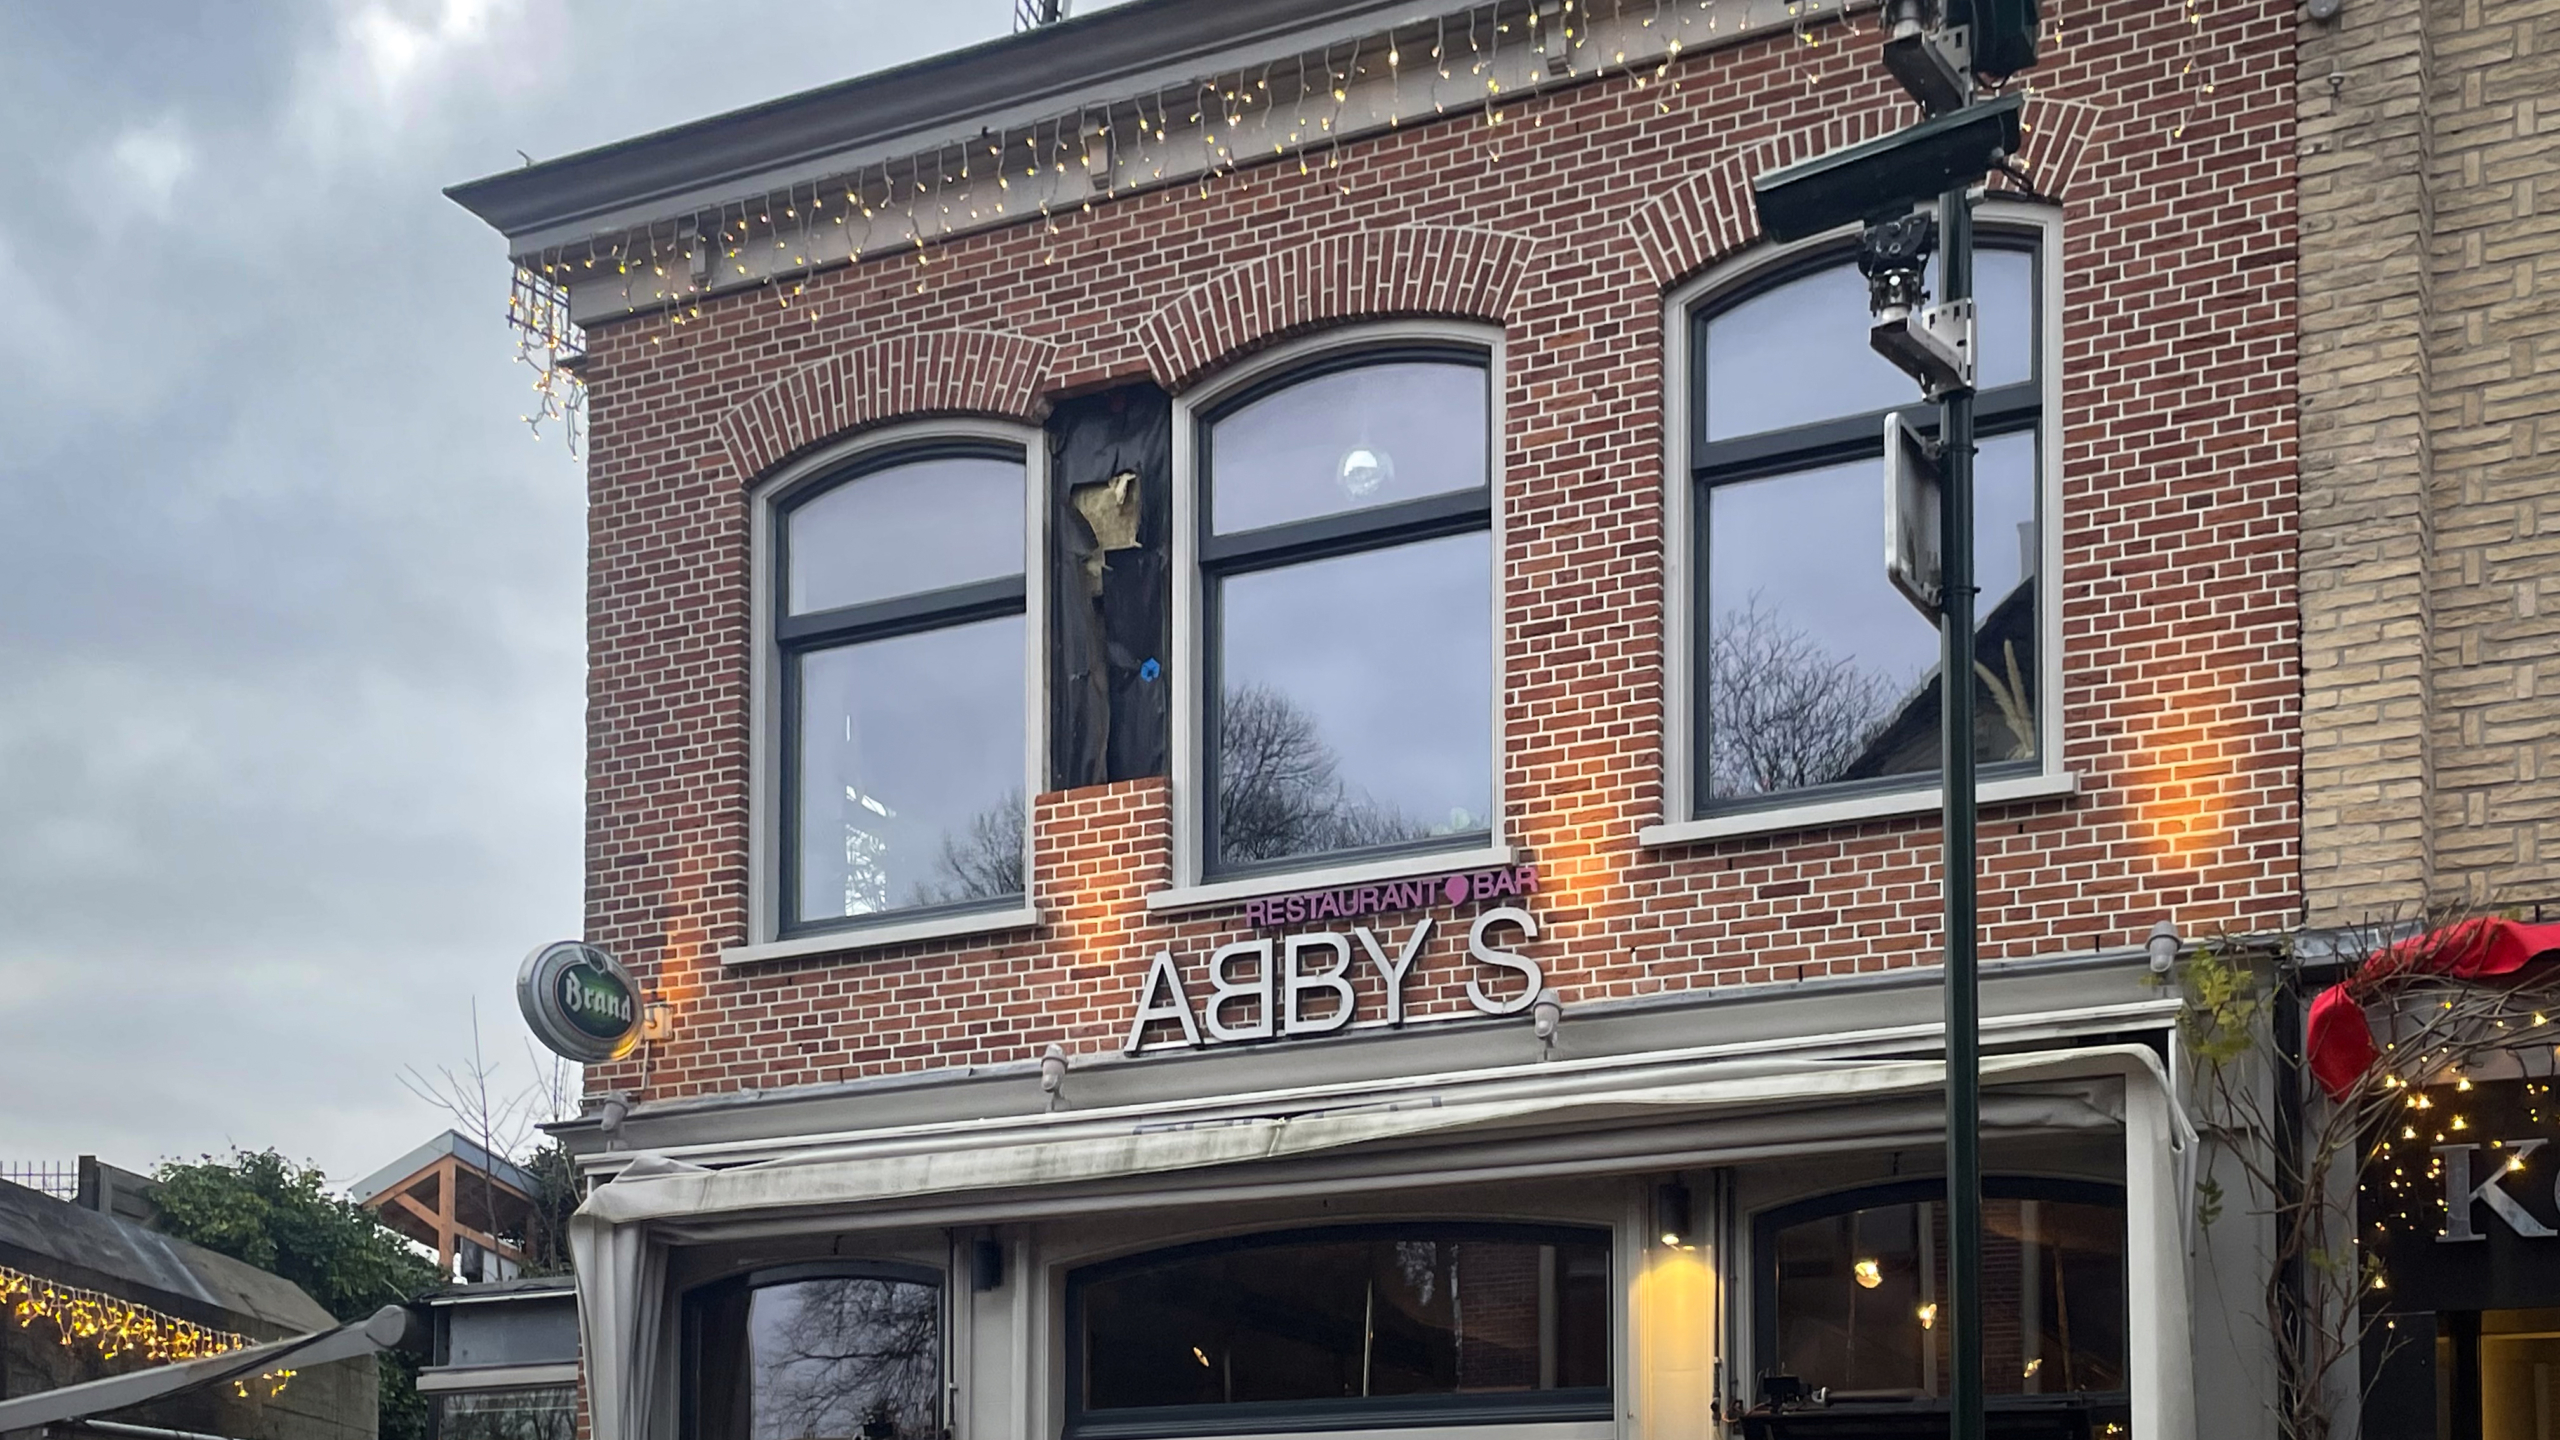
<point>1504,959</point>
<point>2460,1193</point>
<point>1225,991</point>
<point>1394,972</point>
<point>1295,982</point>
<point>1166,981</point>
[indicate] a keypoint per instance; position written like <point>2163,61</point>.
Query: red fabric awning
<point>2340,1045</point>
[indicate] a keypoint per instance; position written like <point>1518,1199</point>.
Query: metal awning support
<point>381,1330</point>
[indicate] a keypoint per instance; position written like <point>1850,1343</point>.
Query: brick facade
<point>1565,223</point>
<point>2430,150</point>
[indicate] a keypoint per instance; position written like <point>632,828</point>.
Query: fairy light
<point>750,241</point>
<point>110,1326</point>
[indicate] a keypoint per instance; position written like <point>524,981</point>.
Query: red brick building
<point>1254,547</point>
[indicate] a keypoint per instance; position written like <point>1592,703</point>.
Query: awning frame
<point>623,1235</point>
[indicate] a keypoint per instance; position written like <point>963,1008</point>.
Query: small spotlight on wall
<point>986,1265</point>
<point>1671,1215</point>
<point>1546,1015</point>
<point>1053,1073</point>
<point>2163,947</point>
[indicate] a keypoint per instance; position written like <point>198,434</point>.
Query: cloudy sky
<point>290,651</point>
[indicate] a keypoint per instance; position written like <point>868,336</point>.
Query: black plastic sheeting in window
<point>1110,516</point>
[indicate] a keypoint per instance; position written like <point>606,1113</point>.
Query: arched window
<point>1342,1328</point>
<point>898,611</point>
<point>1851,1287</point>
<point>815,1352</point>
<point>1811,676</point>
<point>1346,600</point>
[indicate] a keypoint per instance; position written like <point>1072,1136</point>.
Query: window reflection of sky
<point>1810,547</point>
<point>1390,653</point>
<point>1281,458</point>
<point>1798,352</point>
<point>921,526</point>
<point>904,743</point>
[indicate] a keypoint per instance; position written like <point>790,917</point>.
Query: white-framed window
<point>897,689</point>
<point>1337,548</point>
<point>1803,688</point>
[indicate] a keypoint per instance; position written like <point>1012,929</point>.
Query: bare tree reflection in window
<point>1784,713</point>
<point>981,862</point>
<point>1280,786</point>
<point>842,1358</point>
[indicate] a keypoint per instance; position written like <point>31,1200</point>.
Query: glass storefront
<point>1351,1325</point>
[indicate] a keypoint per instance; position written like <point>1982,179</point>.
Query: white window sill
<point>465,1378</point>
<point>884,934</point>
<point>1391,867</point>
<point>1861,807</point>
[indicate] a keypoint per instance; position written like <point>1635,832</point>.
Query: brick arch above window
<point>946,372</point>
<point>1404,270</point>
<point>1709,216</point>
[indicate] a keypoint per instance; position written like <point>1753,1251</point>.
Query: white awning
<point>1067,1165</point>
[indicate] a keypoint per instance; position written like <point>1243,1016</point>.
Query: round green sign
<point>579,1001</point>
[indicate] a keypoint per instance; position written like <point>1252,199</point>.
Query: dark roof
<point>73,1246</point>
<point>1112,54</point>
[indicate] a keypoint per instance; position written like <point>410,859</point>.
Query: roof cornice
<point>994,86</point>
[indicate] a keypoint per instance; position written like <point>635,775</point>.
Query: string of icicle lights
<point>112,1327</point>
<point>1482,63</point>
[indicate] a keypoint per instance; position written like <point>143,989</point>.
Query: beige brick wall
<point>2430,310</point>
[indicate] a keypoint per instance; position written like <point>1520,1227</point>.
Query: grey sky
<point>290,604</point>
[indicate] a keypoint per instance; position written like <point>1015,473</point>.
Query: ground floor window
<point>542,1412</point>
<point>816,1352</point>
<point>1351,1325</point>
<point>1852,1287</point>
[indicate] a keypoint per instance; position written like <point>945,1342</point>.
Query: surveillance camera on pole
<point>1892,185</point>
<point>1939,49</point>
<point>1909,192</point>
<point>1932,344</point>
<point>1932,59</point>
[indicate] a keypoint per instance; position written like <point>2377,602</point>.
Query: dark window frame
<point>2000,411</point>
<point>1766,1225</point>
<point>690,1303</point>
<point>1277,1417</point>
<point>795,637</point>
<point>1218,557</point>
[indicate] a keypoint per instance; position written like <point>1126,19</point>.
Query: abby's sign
<point>1300,982</point>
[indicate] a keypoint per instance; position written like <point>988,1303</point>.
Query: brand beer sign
<point>1299,982</point>
<point>579,1001</point>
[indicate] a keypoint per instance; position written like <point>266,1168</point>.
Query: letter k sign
<point>2460,1194</point>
